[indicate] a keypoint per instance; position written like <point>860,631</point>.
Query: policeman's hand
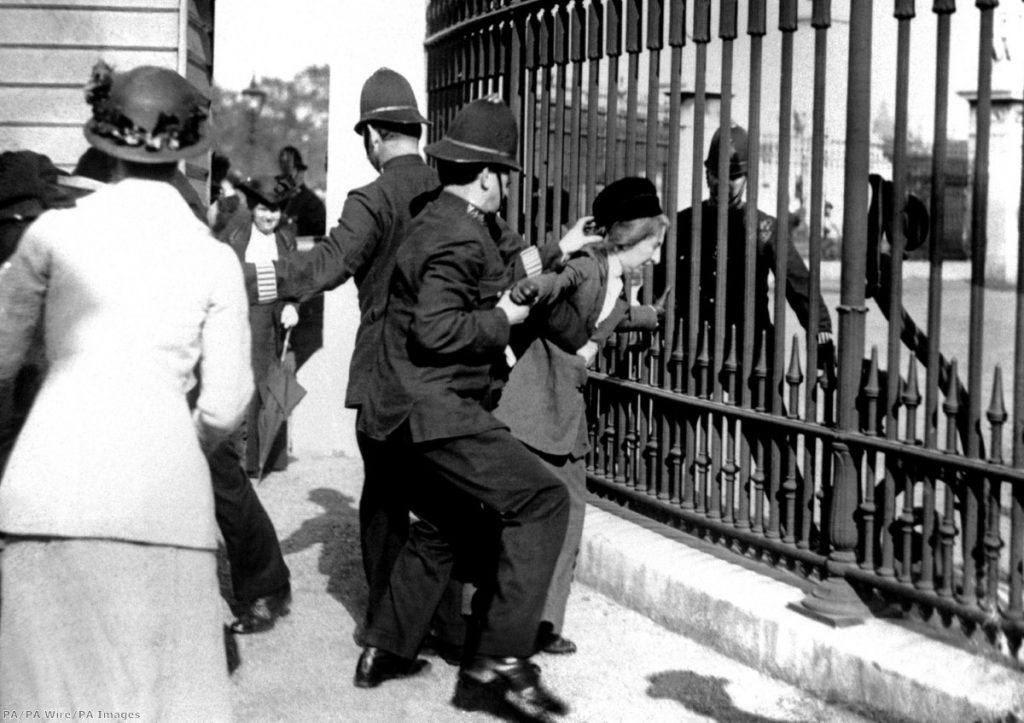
<point>579,236</point>
<point>289,316</point>
<point>516,313</point>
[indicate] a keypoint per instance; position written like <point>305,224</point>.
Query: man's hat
<point>737,152</point>
<point>484,131</point>
<point>624,200</point>
<point>271,191</point>
<point>146,115</point>
<point>915,224</point>
<point>387,96</point>
<point>300,165</point>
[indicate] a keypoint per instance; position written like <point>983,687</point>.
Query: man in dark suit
<point>306,214</point>
<point>446,331</point>
<point>362,247</point>
<point>767,249</point>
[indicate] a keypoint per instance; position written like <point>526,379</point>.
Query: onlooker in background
<point>224,198</point>
<point>831,235</point>
<point>304,210</point>
<point>110,593</point>
<point>29,185</point>
<point>258,237</point>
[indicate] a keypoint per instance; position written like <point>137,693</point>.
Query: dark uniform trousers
<point>462,482</point>
<point>257,565</point>
<point>383,512</point>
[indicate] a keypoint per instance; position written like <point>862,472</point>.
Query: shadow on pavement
<point>702,694</point>
<point>340,561</point>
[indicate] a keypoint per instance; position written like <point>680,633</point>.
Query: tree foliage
<point>295,113</point>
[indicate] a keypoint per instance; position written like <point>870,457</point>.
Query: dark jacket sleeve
<point>798,281</point>
<point>348,248</point>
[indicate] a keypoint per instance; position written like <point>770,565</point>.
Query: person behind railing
<point>574,312</point>
<point>307,215</point>
<point>797,274</point>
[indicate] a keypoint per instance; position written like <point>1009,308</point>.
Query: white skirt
<point>117,627</point>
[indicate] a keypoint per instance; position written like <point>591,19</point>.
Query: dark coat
<point>543,401</point>
<point>797,275</point>
<point>362,247</point>
<point>443,335</point>
<point>264,319</point>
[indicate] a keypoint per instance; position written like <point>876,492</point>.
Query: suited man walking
<point>446,330</point>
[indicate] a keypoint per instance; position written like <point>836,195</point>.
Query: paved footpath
<point>627,669</point>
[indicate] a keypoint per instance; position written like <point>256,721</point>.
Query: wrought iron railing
<point>879,486</point>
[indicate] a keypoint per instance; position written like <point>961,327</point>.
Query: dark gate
<point>881,487</point>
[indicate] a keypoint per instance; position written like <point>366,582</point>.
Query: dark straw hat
<point>485,132</point>
<point>624,200</point>
<point>737,152</point>
<point>271,191</point>
<point>146,115</point>
<point>388,97</point>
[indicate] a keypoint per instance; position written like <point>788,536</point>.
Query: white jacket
<point>132,292</point>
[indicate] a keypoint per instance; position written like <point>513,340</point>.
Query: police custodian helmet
<point>484,131</point>
<point>387,97</point>
<point>737,152</point>
<point>146,115</point>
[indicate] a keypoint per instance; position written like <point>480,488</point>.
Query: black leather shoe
<point>555,644</point>
<point>376,665</point>
<point>261,614</point>
<point>502,686</point>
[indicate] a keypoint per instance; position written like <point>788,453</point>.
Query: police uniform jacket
<point>362,246</point>
<point>443,334</point>
<point>797,275</point>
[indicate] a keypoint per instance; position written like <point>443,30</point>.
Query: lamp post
<point>255,97</point>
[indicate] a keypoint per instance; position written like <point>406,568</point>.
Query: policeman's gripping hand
<point>524,291</point>
<point>516,313</point>
<point>289,316</point>
<point>581,234</point>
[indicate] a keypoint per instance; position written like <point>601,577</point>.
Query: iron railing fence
<point>889,481</point>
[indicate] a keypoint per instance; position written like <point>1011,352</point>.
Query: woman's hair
<point>625,234</point>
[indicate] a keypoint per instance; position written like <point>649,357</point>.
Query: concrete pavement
<point>629,668</point>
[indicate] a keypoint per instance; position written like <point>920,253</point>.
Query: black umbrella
<point>281,393</point>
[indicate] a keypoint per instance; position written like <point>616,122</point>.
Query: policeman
<point>797,275</point>
<point>363,246</point>
<point>447,326</point>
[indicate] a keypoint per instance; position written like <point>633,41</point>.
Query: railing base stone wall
<point>747,616</point>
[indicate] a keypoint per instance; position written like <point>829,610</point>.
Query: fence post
<point>833,599</point>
